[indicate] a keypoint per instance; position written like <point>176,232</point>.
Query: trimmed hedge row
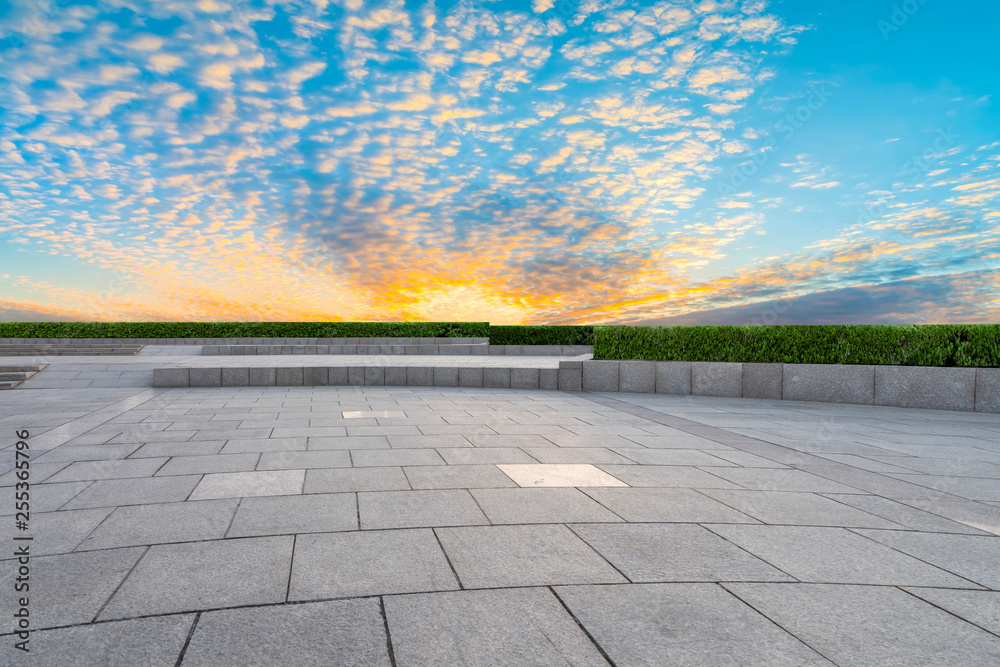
<point>529,335</point>
<point>975,345</point>
<point>244,329</point>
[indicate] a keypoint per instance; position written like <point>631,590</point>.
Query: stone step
<point>8,385</point>
<point>469,349</point>
<point>19,377</point>
<point>15,369</point>
<point>66,350</point>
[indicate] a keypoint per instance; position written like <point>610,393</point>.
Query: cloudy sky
<point>519,162</point>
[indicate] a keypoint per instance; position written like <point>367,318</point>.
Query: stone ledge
<point>970,389</point>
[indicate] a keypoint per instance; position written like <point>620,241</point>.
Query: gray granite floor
<point>263,525</point>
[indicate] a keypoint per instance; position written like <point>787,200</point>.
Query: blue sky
<point>518,162</point>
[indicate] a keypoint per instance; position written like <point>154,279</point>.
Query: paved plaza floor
<point>458,526</point>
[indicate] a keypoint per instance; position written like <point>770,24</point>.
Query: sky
<point>517,162</point>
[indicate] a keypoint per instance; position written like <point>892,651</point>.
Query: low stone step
<point>60,350</point>
<point>8,385</point>
<point>15,369</point>
<point>14,377</point>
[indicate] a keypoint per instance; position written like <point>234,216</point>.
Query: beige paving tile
<point>558,474</point>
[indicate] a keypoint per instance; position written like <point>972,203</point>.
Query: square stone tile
<point>340,480</point>
<point>507,556</point>
<point>341,632</point>
<point>529,505</point>
<point>979,607</point>
<point>457,477</point>
<point>485,440</point>
<point>491,627</point>
<point>220,573</point>
<point>144,641</point>
<point>66,589</point>
<point>674,552</point>
<point>283,515</point>
<point>141,525</point>
<point>335,565</point>
<point>198,465</point>
<point>200,448</point>
<point>247,484</point>
<point>535,475</point>
<point>85,453</point>
<point>137,491</point>
<point>413,509</point>
<point>660,476</point>
<point>871,625</point>
<point>656,504</point>
<point>835,556</point>
<point>974,557</point>
<point>792,507</point>
<point>682,624</point>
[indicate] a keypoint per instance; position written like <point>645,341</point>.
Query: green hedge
<point>244,329</point>
<point>976,345</point>
<point>529,335</point>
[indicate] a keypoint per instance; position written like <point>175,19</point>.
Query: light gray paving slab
<point>60,532</point>
<point>666,476</point>
<point>674,552</point>
<point>797,508</point>
<point>768,479</point>
<point>247,484</point>
<point>415,509</point>
<point>340,632</point>
<point>146,641</point>
<point>136,491</point>
<point>283,515</point>
<point>588,441</point>
<point>401,457</point>
<point>457,477</point>
<point>168,449</point>
<point>575,455</point>
<point>459,456</point>
<point>835,556</point>
<point>980,608</point>
<point>68,588</point>
<point>504,556</point>
<point>345,480</point>
<point>904,515</point>
<point>977,558</point>
<point>964,487</point>
<point>487,627</point>
<point>84,453</point>
<point>219,573</point>
<point>871,625</point>
<point>335,565</point>
<point>682,624</point>
<point>304,460</point>
<point>427,441</point>
<point>555,505</point>
<point>349,442</point>
<point>688,457</point>
<point>198,465</point>
<point>244,445</point>
<point>674,505</point>
<point>142,525</point>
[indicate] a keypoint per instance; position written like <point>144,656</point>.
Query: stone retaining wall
<point>970,389</point>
